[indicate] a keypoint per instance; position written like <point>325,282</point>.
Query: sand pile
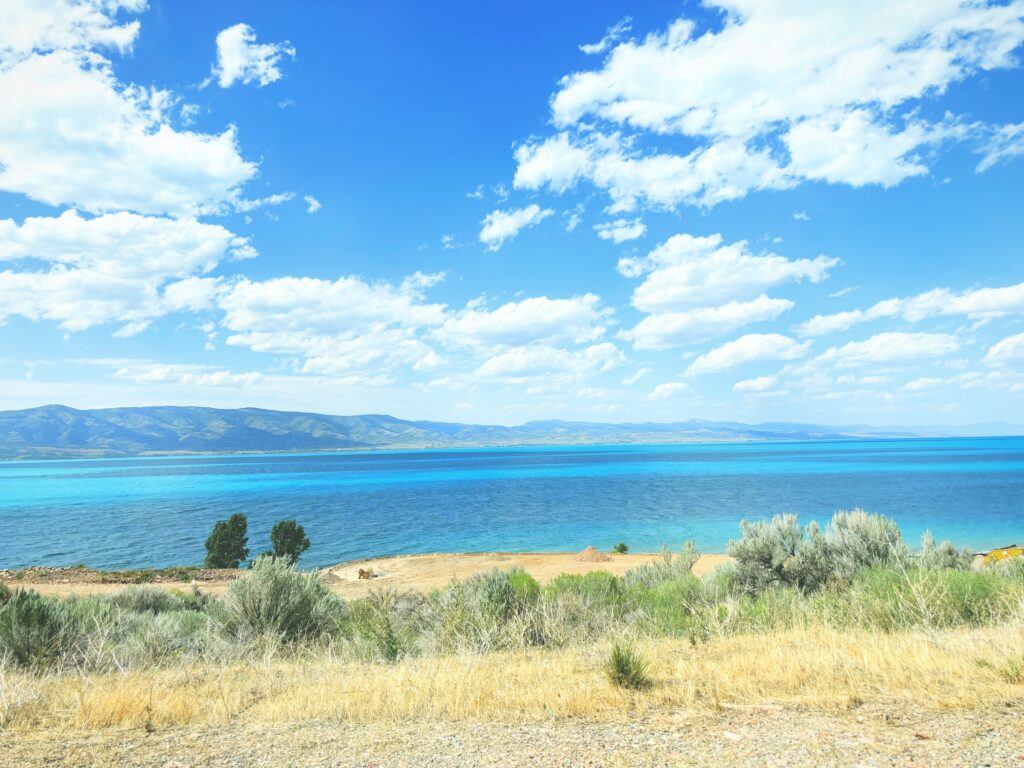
<point>592,555</point>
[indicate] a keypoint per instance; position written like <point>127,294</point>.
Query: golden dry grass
<point>818,669</point>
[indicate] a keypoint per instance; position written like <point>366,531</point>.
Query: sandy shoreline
<point>419,572</point>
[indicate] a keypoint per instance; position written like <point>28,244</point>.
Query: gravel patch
<point>748,737</point>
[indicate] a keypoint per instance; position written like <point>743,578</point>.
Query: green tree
<point>288,539</point>
<point>227,545</point>
<point>621,548</point>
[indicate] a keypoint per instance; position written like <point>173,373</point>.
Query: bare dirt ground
<point>749,737</point>
<point>420,572</point>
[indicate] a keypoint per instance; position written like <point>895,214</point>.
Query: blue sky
<point>497,213</point>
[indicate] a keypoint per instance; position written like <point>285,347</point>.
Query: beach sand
<point>419,572</point>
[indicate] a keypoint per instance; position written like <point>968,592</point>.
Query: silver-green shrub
<point>780,553</point>
<point>275,600</point>
<point>859,540</point>
<point>938,556</point>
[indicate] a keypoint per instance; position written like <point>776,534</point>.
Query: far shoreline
<point>77,455</point>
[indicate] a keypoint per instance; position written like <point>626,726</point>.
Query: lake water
<point>126,513</point>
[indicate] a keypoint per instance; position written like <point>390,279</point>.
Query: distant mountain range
<point>54,431</point>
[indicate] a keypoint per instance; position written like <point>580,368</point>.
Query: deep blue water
<point>124,513</point>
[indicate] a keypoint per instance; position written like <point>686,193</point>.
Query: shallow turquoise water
<point>157,511</point>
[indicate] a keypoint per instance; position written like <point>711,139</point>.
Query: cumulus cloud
<point>499,226</point>
<point>577,320</point>
<point>687,271</point>
<point>240,59</point>
<point>670,329</point>
<point>541,359</point>
<point>72,134</point>
<point>46,25</point>
<point>334,326</point>
<point>890,348</point>
<point>312,204</point>
<point>748,349</point>
<point>621,230</point>
<point>980,304</point>
<point>119,267</point>
<point>1008,351</point>
<point>833,84</point>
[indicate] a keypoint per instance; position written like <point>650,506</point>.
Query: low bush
<point>857,540</point>
<point>628,668</point>
<point>671,567</point>
<point>938,556</point>
<point>147,599</point>
<point>33,629</point>
<point>5,594</point>
<point>780,553</point>
<point>386,625</point>
<point>275,600</point>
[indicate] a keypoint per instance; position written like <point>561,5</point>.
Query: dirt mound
<point>592,555</point>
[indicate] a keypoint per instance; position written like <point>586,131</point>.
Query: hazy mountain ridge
<point>60,431</point>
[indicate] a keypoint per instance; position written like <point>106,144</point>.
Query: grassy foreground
<point>830,619</point>
<point>819,668</point>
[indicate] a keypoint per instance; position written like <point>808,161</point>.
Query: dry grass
<point>819,669</point>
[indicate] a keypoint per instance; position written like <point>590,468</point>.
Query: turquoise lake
<point>127,513</point>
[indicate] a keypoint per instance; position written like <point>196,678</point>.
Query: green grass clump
<point>5,594</point>
<point>628,668</point>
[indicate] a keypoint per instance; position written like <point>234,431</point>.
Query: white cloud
<point>1009,350</point>
<point>842,292</point>
<point>667,390</point>
<point>577,320</point>
<point>499,226</point>
<point>342,326</point>
<point>46,25</point>
<point>621,230</point>
<point>116,267</point>
<point>612,36</point>
<point>760,384</point>
<point>747,349</point>
<point>980,304</point>
<point>312,204</point>
<point>834,84</point>
<point>890,348</point>
<point>669,329</point>
<point>244,206</point>
<point>144,372</point>
<point>635,377</point>
<point>923,383</point>
<point>801,216</point>
<point>240,59</point>
<point>536,360</point>
<point>71,134</point>
<point>687,271</point>
<point>1006,143</point>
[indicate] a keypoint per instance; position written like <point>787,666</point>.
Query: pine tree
<point>289,540</point>
<point>227,545</point>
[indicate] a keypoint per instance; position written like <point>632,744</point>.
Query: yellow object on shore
<point>1002,554</point>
